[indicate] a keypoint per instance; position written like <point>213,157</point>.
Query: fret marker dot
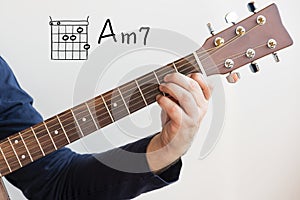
<point>56,132</point>
<point>84,119</point>
<point>16,141</point>
<point>115,104</point>
<point>23,156</point>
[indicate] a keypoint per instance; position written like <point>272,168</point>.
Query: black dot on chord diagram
<point>65,37</point>
<point>79,30</point>
<point>73,37</point>
<point>86,46</point>
<point>51,23</point>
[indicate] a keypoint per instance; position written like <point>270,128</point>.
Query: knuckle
<point>193,85</point>
<point>174,129</point>
<point>197,75</point>
<point>166,86</point>
<point>192,122</point>
<point>203,110</point>
<point>185,97</point>
<point>173,108</point>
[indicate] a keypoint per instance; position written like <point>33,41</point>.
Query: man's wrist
<point>159,156</point>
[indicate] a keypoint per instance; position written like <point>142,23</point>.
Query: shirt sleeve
<point>65,174</point>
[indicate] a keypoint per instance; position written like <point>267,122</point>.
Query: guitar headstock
<point>259,35</point>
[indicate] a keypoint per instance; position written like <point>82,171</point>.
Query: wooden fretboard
<point>44,138</point>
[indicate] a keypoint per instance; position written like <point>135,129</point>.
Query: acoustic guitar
<point>259,35</point>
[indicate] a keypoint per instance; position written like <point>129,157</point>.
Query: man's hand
<point>182,113</point>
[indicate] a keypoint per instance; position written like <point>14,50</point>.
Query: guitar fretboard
<point>44,138</point>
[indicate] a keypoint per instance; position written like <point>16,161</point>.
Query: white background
<point>258,154</point>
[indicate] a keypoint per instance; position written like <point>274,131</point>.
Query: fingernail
<point>161,86</point>
<point>166,77</point>
<point>158,97</point>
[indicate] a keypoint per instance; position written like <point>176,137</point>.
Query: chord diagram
<point>69,39</point>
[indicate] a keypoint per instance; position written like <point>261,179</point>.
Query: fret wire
<point>175,67</point>
<point>123,100</point>
<point>50,135</point>
<point>107,108</point>
<point>199,63</point>
<point>13,148</point>
<point>187,70</point>
<point>137,84</point>
<point>168,69</point>
<point>77,123</point>
<point>84,119</point>
<point>92,116</point>
<point>25,146</point>
<point>63,129</point>
<point>119,111</point>
<point>143,77</point>
<point>153,95</point>
<point>158,81</point>
<point>14,162</point>
<point>143,88</point>
<point>3,155</point>
<point>152,90</point>
<point>38,141</point>
<point>156,77</point>
<point>44,141</point>
<point>48,130</point>
<point>183,59</point>
<point>41,137</point>
<point>120,99</point>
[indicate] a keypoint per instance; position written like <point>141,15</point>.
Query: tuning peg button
<point>210,28</point>
<point>252,7</point>
<point>254,67</point>
<point>276,57</point>
<point>233,77</point>
<point>231,18</point>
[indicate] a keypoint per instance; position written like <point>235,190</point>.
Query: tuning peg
<point>254,67</point>
<point>252,7</point>
<point>210,28</point>
<point>233,77</point>
<point>231,18</point>
<point>276,57</point>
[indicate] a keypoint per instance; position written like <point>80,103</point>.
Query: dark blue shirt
<point>65,174</point>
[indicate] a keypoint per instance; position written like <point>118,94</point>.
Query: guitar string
<point>215,47</point>
<point>105,95</point>
<point>141,101</point>
<point>11,163</point>
<point>64,120</point>
<point>234,39</point>
<point>12,154</point>
<point>236,56</point>
<point>185,63</point>
<point>136,103</point>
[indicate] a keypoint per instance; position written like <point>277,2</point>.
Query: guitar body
<point>3,191</point>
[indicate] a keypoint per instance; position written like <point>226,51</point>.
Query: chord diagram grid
<point>69,39</point>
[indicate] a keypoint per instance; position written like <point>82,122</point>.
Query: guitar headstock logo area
<point>69,39</point>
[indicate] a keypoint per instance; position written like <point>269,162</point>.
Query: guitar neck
<point>60,130</point>
<point>259,35</point>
